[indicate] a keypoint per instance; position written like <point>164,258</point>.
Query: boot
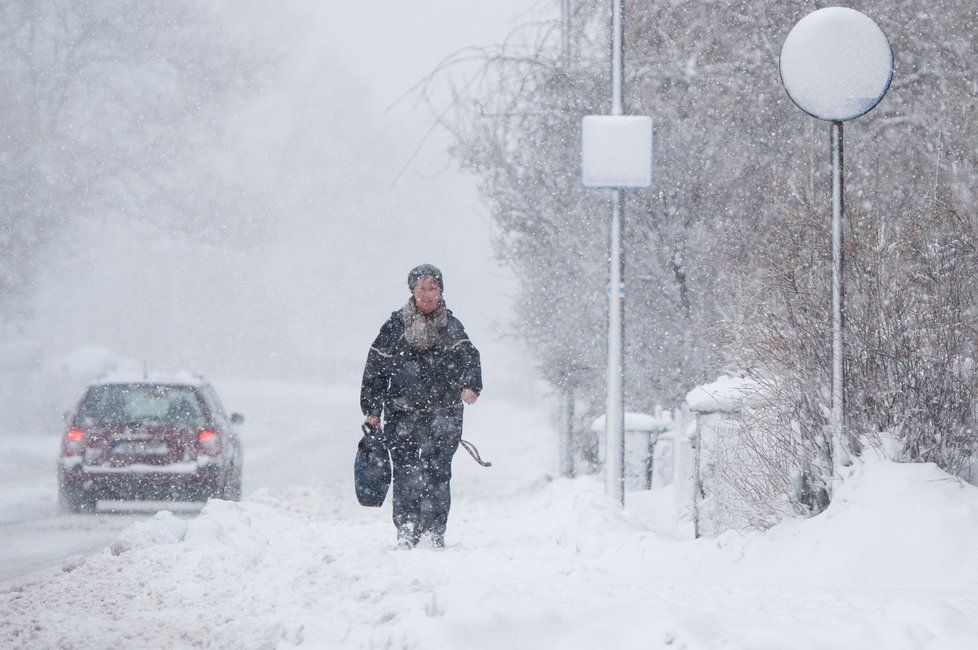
<point>406,539</point>
<point>432,539</point>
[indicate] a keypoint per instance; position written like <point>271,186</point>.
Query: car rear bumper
<point>178,481</point>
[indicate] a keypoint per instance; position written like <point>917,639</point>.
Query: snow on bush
<point>726,394</point>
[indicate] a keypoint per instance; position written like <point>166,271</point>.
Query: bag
<point>372,468</point>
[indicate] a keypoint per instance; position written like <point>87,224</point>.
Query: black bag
<point>372,468</point>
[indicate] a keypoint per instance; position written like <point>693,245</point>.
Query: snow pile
<point>900,527</point>
<point>165,528</point>
<point>726,394</point>
<point>545,563</point>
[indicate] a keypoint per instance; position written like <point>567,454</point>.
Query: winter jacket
<point>398,377</point>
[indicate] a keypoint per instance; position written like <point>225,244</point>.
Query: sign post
<point>616,153</point>
<point>836,65</point>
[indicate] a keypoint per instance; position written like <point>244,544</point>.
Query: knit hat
<point>422,270</point>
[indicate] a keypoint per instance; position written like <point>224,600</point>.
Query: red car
<point>149,440</point>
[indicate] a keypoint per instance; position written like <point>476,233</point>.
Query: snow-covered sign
<point>616,151</point>
<point>836,64</point>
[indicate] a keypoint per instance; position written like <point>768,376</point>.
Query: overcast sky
<point>390,45</point>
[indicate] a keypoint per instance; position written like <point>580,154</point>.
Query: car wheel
<point>87,502</point>
<point>76,500</point>
<point>208,491</point>
<point>68,499</point>
<point>232,489</point>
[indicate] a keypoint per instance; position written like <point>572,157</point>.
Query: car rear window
<point>141,405</point>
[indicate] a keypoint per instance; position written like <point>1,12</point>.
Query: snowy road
<point>33,533</point>
<point>531,562</point>
<point>293,434</point>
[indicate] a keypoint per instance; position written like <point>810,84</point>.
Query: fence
<point>718,504</point>
<point>720,466</point>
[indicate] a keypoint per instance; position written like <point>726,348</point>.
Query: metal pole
<point>615,407</point>
<point>565,442</point>
<point>840,457</point>
<point>650,460</point>
<point>571,445</point>
<point>617,55</point>
<point>696,440</point>
<point>565,28</point>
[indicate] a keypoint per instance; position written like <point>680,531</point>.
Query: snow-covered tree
<point>727,258</point>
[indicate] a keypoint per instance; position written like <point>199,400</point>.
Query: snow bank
<point>164,528</point>
<point>549,563</point>
<point>531,562</point>
<point>890,527</point>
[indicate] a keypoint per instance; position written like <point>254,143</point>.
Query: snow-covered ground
<point>531,562</point>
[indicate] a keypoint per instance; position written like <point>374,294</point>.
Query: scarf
<point>423,331</point>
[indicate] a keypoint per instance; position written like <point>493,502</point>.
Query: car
<point>159,440</point>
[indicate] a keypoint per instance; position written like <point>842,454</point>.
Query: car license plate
<point>140,448</point>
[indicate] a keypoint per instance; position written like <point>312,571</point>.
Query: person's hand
<point>373,420</point>
<point>469,396</point>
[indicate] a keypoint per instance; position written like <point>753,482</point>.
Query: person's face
<point>427,294</point>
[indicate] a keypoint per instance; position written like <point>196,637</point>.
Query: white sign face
<point>616,151</point>
<point>836,64</point>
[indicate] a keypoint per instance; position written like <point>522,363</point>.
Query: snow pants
<point>422,446</point>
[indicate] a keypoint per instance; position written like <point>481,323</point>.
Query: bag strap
<point>375,432</point>
<point>469,447</point>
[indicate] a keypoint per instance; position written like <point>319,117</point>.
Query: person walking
<point>420,370</point>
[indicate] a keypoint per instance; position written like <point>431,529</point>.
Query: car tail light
<point>74,442</point>
<point>208,442</point>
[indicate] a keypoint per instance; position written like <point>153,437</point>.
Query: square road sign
<point>616,151</point>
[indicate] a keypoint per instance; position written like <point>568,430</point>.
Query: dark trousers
<point>422,446</point>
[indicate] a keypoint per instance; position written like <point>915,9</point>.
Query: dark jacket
<point>398,377</point>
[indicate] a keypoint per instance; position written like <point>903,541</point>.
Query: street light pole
<point>615,407</point>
